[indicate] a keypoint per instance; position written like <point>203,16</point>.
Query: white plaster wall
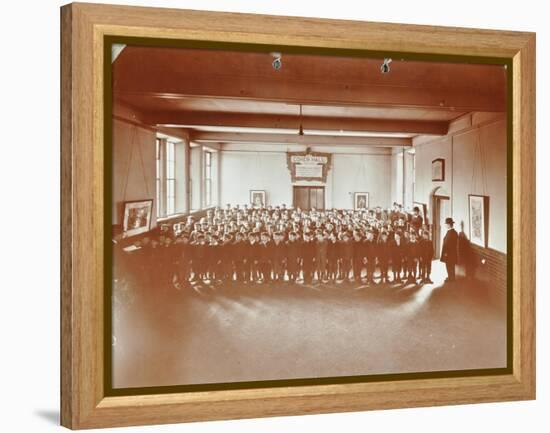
<point>475,163</point>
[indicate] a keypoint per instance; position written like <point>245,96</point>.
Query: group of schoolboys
<point>277,244</point>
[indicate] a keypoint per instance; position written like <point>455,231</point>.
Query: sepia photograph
<point>361,200</point>
<point>438,170</point>
<point>137,217</point>
<point>281,216</point>
<point>257,198</point>
<point>478,206</point>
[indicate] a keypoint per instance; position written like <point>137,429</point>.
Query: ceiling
<point>231,96</point>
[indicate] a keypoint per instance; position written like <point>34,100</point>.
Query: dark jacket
<point>279,251</point>
<point>397,251</point>
<point>239,250</point>
<point>426,250</point>
<point>332,250</point>
<point>265,252</point>
<point>293,251</point>
<point>308,251</point>
<point>321,248</point>
<point>184,253</point>
<point>226,252</point>
<point>346,250</point>
<point>384,251</point>
<point>371,250</point>
<point>199,252</point>
<point>359,250</point>
<point>213,254</point>
<point>412,250</point>
<point>252,252</point>
<point>449,251</point>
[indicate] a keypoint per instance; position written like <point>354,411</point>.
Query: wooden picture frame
<point>360,201</point>
<point>438,170</point>
<point>255,195</point>
<point>133,224</point>
<point>478,218</point>
<point>87,33</point>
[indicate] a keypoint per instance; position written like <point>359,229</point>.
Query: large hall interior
<point>212,138</point>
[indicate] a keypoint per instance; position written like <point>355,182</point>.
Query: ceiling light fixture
<point>277,61</point>
<point>385,68</point>
<point>301,130</point>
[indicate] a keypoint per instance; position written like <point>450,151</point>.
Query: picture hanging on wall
<point>360,200</point>
<point>438,170</point>
<point>257,198</point>
<point>137,217</point>
<point>478,206</point>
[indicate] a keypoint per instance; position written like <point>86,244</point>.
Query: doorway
<point>308,197</point>
<point>441,210</point>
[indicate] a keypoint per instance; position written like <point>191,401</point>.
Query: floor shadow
<point>408,290</point>
<point>50,415</point>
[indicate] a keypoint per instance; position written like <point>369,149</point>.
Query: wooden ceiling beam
<point>285,139</point>
<point>304,92</point>
<point>247,120</point>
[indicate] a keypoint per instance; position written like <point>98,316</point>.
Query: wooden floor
<point>229,333</point>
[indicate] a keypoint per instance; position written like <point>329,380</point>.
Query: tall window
<point>207,178</point>
<point>170,178</point>
<point>165,177</point>
<point>159,174</point>
<point>413,156</point>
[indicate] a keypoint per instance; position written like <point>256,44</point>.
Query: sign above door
<point>312,166</point>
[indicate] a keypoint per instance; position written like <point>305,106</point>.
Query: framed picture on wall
<point>478,206</point>
<point>438,170</point>
<point>360,200</point>
<point>257,198</point>
<point>137,217</point>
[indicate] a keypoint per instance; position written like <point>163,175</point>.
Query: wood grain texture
<point>83,404</point>
<point>67,388</point>
<point>524,220</point>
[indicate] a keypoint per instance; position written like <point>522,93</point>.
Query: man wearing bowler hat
<point>449,249</point>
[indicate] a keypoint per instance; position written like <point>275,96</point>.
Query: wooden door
<point>308,197</point>
<point>442,210</point>
<point>317,198</point>
<point>301,198</point>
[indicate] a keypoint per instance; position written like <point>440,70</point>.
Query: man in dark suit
<point>449,251</point>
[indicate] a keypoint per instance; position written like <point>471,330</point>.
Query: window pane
<point>170,188</point>
<point>170,151</point>
<point>158,198</point>
<point>208,192</point>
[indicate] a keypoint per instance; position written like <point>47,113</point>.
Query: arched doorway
<point>440,202</point>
